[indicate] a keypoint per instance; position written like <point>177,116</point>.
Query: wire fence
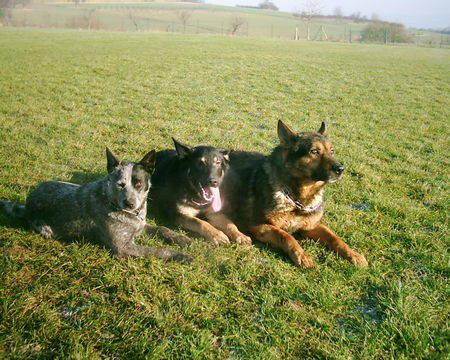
<point>138,17</point>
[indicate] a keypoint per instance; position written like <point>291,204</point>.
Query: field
<point>67,94</point>
<point>196,19</point>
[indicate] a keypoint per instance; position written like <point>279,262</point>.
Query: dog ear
<point>112,160</point>
<point>148,161</point>
<point>323,129</point>
<point>182,149</point>
<point>285,134</point>
<point>226,153</point>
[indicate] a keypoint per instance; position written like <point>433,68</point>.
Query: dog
<point>112,209</point>
<point>272,197</point>
<point>185,189</point>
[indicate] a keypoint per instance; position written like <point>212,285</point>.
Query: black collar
<point>297,203</point>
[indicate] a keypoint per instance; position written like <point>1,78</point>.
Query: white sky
<point>412,13</point>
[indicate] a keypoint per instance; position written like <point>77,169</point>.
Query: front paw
<point>181,257</point>
<point>243,239</point>
<point>219,238</point>
<point>181,239</point>
<point>358,259</point>
<point>302,259</point>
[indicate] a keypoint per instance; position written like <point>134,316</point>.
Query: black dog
<point>271,197</point>
<point>185,189</point>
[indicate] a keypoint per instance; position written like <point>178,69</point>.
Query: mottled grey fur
<point>112,209</point>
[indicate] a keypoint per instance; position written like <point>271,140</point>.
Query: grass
<point>68,94</point>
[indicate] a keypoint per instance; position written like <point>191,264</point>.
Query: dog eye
<point>332,151</point>
<point>315,152</point>
<point>121,184</point>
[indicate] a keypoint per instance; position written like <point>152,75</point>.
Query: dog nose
<point>338,169</point>
<point>129,203</point>
<point>213,182</point>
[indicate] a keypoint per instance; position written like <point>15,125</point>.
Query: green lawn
<point>65,95</point>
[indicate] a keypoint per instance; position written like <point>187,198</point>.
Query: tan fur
<point>221,222</point>
<point>203,228</point>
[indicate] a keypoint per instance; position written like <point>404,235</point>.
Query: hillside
<point>194,18</point>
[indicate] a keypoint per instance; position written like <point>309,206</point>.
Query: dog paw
<point>182,240</point>
<point>303,260</point>
<point>181,257</point>
<point>243,239</point>
<point>358,259</point>
<point>220,238</point>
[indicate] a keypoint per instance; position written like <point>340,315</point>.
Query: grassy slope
<point>68,94</point>
<point>203,18</point>
<point>163,17</point>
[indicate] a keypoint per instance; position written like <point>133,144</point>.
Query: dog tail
<point>13,209</point>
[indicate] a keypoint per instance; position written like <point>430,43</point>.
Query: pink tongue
<point>216,200</point>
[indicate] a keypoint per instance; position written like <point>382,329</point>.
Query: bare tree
<point>338,14</point>
<point>235,24</point>
<point>6,7</point>
<point>184,16</point>
<point>133,18</point>
<point>309,9</point>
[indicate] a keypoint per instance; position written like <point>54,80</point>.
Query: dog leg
<point>281,239</point>
<point>168,234</point>
<point>203,228</point>
<point>121,243</point>
<point>326,236</point>
<point>42,228</point>
<point>132,249</point>
<point>221,222</point>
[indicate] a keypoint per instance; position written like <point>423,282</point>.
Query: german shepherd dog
<point>112,209</point>
<point>272,197</point>
<point>185,189</point>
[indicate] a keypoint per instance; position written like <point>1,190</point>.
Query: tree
<point>337,12</point>
<point>7,5</point>
<point>235,24</point>
<point>184,16</point>
<point>375,17</point>
<point>310,8</point>
<point>133,18</point>
<point>266,4</point>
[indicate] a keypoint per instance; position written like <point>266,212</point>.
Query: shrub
<point>385,32</point>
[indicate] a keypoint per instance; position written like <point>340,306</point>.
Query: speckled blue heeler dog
<point>112,210</point>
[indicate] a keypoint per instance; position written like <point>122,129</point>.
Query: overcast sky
<point>412,13</point>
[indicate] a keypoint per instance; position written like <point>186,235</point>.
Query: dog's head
<point>309,155</point>
<point>129,182</point>
<point>205,167</point>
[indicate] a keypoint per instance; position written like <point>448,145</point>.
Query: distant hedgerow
<point>385,32</point>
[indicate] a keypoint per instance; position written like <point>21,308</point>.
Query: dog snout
<point>213,182</point>
<point>129,203</point>
<point>338,168</point>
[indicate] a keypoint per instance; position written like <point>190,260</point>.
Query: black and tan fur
<point>273,197</point>
<point>183,181</point>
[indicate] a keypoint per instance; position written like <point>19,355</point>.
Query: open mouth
<point>211,194</point>
<point>335,178</point>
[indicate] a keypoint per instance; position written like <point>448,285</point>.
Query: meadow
<point>66,94</point>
